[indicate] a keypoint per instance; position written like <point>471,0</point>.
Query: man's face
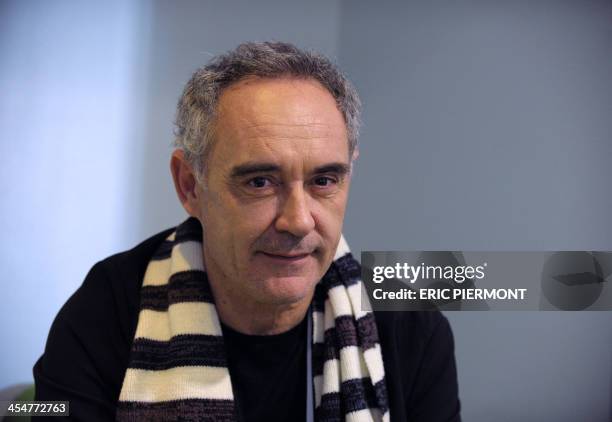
<point>275,190</point>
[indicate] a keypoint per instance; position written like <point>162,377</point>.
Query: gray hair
<point>198,103</point>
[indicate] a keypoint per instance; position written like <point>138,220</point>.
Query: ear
<point>354,158</point>
<point>185,183</point>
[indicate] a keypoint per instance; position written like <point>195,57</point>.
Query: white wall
<point>88,93</point>
<point>488,126</point>
<point>66,107</point>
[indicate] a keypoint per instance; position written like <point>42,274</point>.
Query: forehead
<point>278,119</point>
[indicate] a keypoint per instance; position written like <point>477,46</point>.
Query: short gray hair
<point>198,103</point>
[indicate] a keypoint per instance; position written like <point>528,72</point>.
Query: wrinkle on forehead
<point>305,131</point>
<point>305,101</point>
<point>290,152</point>
<point>268,117</point>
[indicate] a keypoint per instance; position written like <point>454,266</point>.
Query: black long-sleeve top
<point>88,351</point>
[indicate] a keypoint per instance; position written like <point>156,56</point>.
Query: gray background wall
<point>486,127</point>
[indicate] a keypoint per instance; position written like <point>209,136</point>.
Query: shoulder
<point>125,265</point>
<point>413,335</point>
<point>419,360</point>
<point>122,274</point>
<point>89,342</point>
<point>112,286</point>
<point>111,289</point>
<point>414,328</point>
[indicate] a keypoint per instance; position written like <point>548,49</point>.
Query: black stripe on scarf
<point>182,350</point>
<point>184,410</point>
<point>344,271</point>
<point>345,336</point>
<point>186,286</point>
<point>357,394</point>
<point>190,230</point>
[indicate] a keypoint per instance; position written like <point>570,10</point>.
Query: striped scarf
<point>178,367</point>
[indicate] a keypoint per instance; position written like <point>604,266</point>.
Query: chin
<point>284,282</point>
<point>286,290</point>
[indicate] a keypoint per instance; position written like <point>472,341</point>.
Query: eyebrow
<point>339,168</point>
<point>253,168</point>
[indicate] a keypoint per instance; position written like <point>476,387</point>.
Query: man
<point>250,309</point>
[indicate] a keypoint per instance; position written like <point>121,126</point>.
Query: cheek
<point>329,217</point>
<point>237,223</point>
<point>331,211</point>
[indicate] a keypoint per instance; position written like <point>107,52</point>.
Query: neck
<point>259,319</point>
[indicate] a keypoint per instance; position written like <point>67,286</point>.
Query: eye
<point>259,182</point>
<point>325,181</point>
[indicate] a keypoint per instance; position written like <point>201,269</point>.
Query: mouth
<point>294,257</point>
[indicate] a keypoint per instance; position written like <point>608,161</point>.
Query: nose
<point>295,215</point>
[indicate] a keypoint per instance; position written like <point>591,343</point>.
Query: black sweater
<point>88,348</point>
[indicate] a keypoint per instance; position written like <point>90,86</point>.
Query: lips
<point>287,257</point>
